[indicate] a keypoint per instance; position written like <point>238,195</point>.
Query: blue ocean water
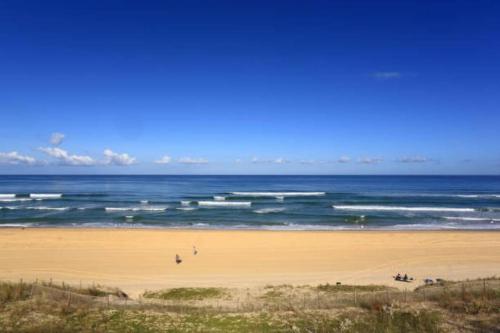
<point>252,202</point>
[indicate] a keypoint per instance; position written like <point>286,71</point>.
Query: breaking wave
<point>464,218</point>
<point>269,210</point>
<point>47,208</point>
<point>14,199</point>
<point>401,208</point>
<point>186,208</point>
<point>45,195</point>
<point>135,209</point>
<point>224,203</point>
<point>278,194</point>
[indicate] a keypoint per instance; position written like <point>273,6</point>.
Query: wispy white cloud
<point>386,75</point>
<point>15,158</point>
<point>56,138</point>
<point>112,158</point>
<point>66,158</point>
<point>414,159</point>
<point>191,160</point>
<point>279,160</point>
<point>165,159</point>
<point>344,159</point>
<point>370,160</point>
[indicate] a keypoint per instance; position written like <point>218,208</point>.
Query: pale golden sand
<point>138,259</point>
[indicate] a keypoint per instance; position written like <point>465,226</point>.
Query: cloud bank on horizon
<point>56,156</point>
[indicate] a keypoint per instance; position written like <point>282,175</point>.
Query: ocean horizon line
<point>252,175</point>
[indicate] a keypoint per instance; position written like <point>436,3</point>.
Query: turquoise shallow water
<point>252,202</point>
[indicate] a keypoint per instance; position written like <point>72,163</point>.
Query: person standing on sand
<point>178,259</point>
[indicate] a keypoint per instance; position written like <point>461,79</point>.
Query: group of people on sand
<point>403,278</point>
<point>178,259</point>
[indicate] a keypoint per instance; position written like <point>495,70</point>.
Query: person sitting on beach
<point>178,259</point>
<point>398,277</point>
<point>405,278</point>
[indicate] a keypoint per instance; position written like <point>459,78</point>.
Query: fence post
<point>32,288</point>
<point>19,288</point>
<point>69,300</point>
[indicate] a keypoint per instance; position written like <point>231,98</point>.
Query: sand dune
<point>136,260</point>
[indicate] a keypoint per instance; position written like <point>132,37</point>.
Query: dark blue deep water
<point>267,202</point>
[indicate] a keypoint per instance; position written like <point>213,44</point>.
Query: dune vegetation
<point>464,306</point>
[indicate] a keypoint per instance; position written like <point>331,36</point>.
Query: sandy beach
<point>140,259</point>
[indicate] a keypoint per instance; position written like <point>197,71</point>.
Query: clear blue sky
<point>250,87</point>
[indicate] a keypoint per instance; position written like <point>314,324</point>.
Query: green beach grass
<point>466,306</point>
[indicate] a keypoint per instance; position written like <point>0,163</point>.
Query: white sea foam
<point>224,203</point>
<point>45,195</point>
<point>278,194</point>
<point>467,196</point>
<point>15,225</point>
<point>185,202</point>
<point>48,208</point>
<point>303,227</point>
<point>280,198</point>
<point>219,198</point>
<point>15,199</point>
<point>399,208</point>
<point>186,208</point>
<point>7,195</point>
<point>464,218</point>
<point>477,195</point>
<point>144,201</point>
<point>9,207</point>
<point>269,210</point>
<point>134,209</point>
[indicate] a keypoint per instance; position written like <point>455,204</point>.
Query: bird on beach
<point>195,250</point>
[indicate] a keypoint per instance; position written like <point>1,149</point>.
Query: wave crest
<point>402,208</point>
<point>269,210</point>
<point>45,195</point>
<point>224,203</point>
<point>135,209</point>
<point>278,194</point>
